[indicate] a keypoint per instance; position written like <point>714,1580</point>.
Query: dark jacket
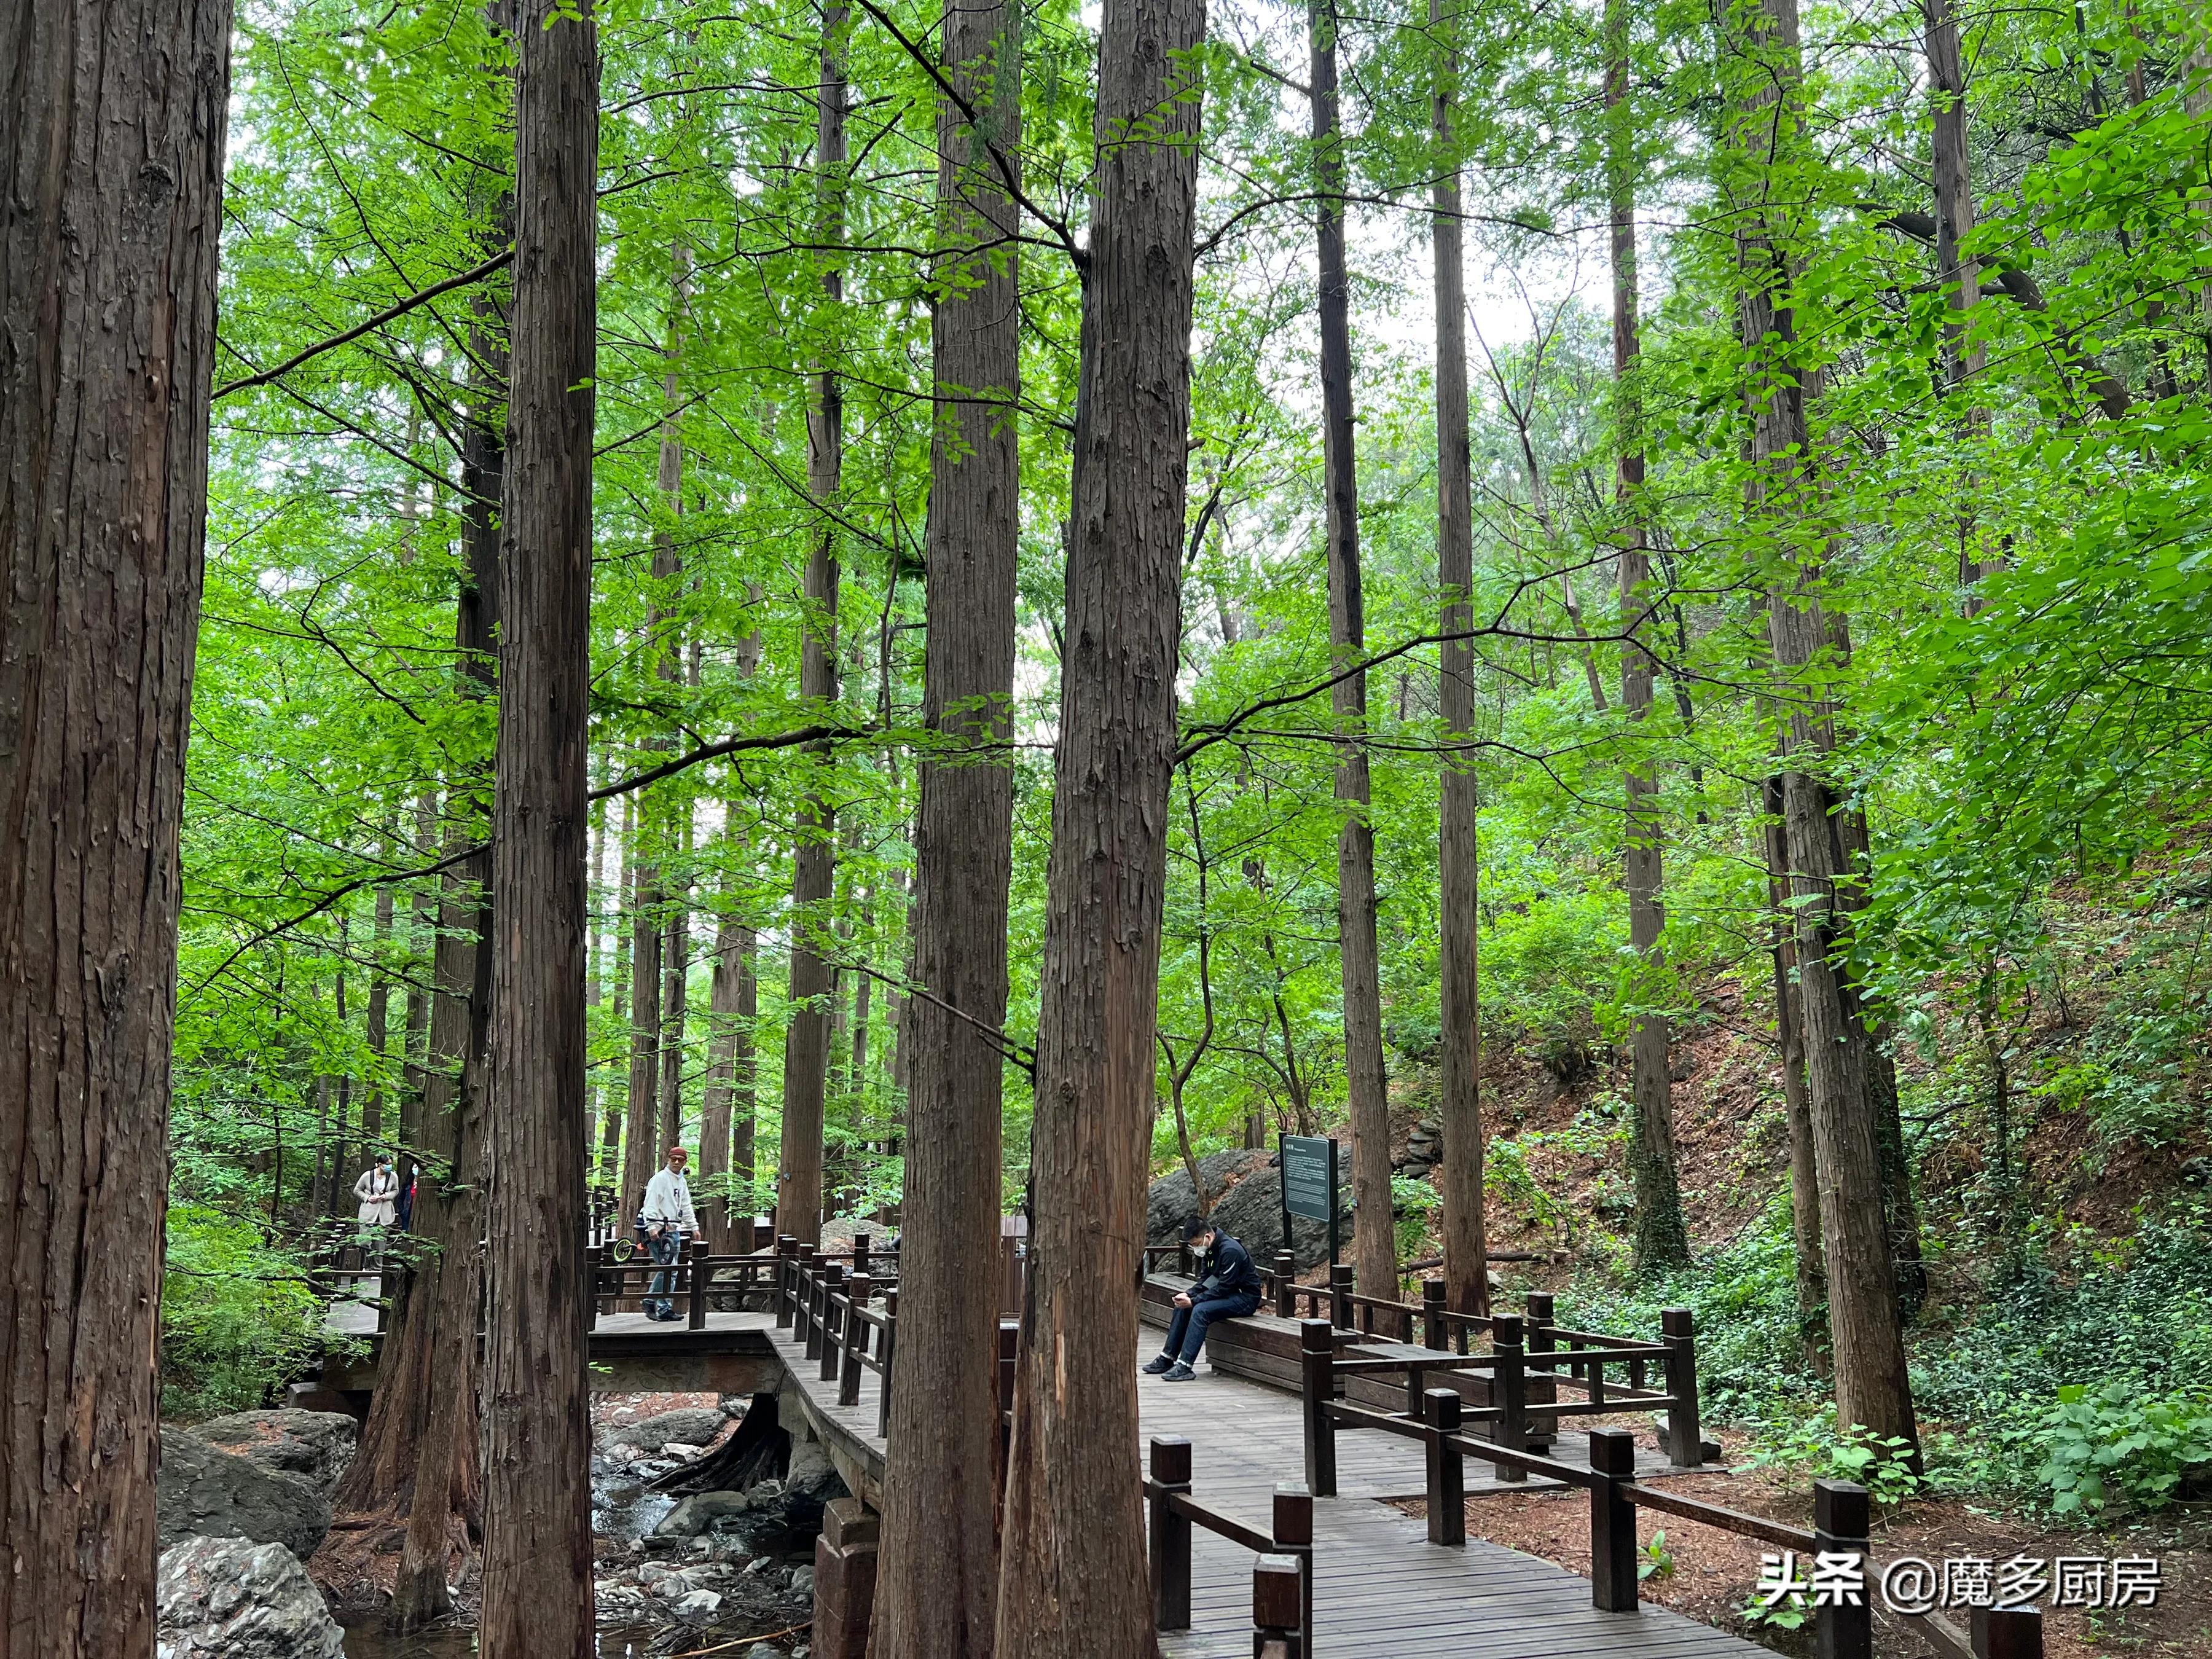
<point>1226,1269</point>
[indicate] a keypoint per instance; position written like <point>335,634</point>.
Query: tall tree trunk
<point>1466,1254</point>
<point>611,1170</point>
<point>1789,1033</point>
<point>807,1044</point>
<point>1661,1240</point>
<point>111,165</point>
<point>676,983</point>
<point>414,1473</point>
<point>379,1015</point>
<point>642,1148</point>
<point>447,1507</point>
<point>668,567</point>
<point>728,1026</point>
<point>423,939</point>
<point>344,1081</point>
<point>1872,1386</point>
<point>937,1584</point>
<point>538,1598</point>
<point>1072,1572</point>
<point>1375,1244</point>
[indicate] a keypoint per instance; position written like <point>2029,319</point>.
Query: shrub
<point>238,1318</point>
<point>2115,1445</point>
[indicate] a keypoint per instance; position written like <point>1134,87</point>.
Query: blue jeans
<point>1186,1330</point>
<point>657,1304</point>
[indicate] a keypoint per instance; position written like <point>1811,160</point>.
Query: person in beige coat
<point>378,1189</point>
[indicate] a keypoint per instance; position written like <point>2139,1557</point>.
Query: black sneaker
<point>1178,1372</point>
<point>1159,1365</point>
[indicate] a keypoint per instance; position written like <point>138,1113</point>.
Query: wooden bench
<point>1259,1347</point>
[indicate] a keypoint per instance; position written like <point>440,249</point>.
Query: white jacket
<point>668,1202</point>
<point>378,1192</point>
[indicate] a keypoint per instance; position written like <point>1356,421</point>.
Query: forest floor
<point>1559,1188</point>
<point>1711,1573</point>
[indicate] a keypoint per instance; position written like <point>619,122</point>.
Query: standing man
<point>668,1219</point>
<point>1228,1287</point>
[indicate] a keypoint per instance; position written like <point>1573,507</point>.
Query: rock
<point>677,1449</point>
<point>231,1598</point>
<point>696,1513</point>
<point>205,1492</point>
<point>811,1485</point>
<point>686,1425</point>
<point>315,1445</point>
<point>698,1607</point>
<point>802,1581</point>
<point>762,1651</point>
<point>1252,1210</point>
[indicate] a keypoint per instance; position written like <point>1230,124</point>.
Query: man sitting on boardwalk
<point>1228,1288</point>
<point>668,1220</point>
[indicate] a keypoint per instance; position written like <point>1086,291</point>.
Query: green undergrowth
<point>238,1317</point>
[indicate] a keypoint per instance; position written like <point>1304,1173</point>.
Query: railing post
<point>830,1349</point>
<point>1286,1285</point>
<point>856,1338</point>
<point>1613,1521</point>
<point>787,1252</point>
<point>2007,1632</point>
<point>1010,1345</point>
<point>1171,1533</point>
<point>1543,1428</point>
<point>591,1287</point>
<point>1685,1437</point>
<point>887,1350</point>
<point>702,1269</point>
<point>1432,1314</point>
<point>1841,1517</point>
<point>804,1297</point>
<point>1340,1294</point>
<point>1317,1385</point>
<point>1292,1529</point>
<point>859,1254</point>
<point>1447,1467</point>
<point>1510,1389</point>
<point>1277,1618</point>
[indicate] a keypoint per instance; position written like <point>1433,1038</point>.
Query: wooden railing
<point>1610,1373</point>
<point>1282,1579</point>
<point>1439,1416</point>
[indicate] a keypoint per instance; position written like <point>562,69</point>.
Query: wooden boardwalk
<point>1381,1590</point>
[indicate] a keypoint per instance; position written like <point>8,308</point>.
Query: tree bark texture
<point>1661,1240</point>
<point>813,982</point>
<point>1072,1580</point>
<point>111,133</point>
<point>936,1581</point>
<point>1872,1386</point>
<point>1375,1242</point>
<point>448,1213</point>
<point>1466,1260</point>
<point>537,1596</point>
<point>422,1418</point>
<point>1790,1033</point>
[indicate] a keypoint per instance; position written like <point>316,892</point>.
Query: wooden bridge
<point>1269,1481</point>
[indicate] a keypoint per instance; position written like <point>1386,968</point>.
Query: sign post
<point>1309,1186</point>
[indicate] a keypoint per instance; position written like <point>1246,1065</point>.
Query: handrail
<point>1436,1418</point>
<point>1282,1584</point>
